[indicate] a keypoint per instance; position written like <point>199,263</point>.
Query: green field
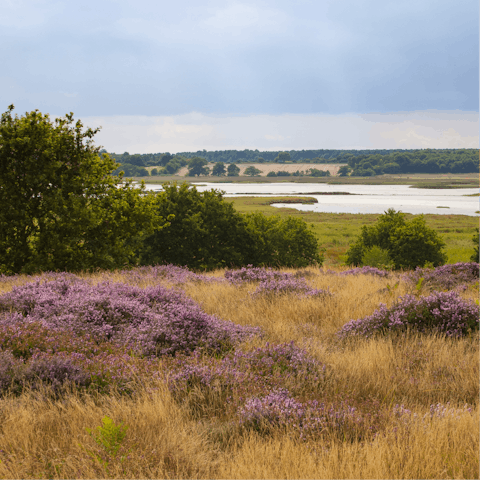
<point>335,231</point>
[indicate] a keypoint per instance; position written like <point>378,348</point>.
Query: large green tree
<point>409,243</point>
<point>61,209</point>
<point>219,169</point>
<point>206,232</point>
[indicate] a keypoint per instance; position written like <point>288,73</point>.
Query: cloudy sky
<point>286,74</point>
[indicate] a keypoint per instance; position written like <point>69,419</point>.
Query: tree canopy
<point>61,207</point>
<point>409,243</point>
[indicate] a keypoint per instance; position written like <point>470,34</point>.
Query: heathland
<point>241,374</point>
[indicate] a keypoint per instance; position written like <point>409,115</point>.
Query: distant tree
<point>219,169</point>
<point>252,171</point>
<point>282,157</point>
<point>62,209</point>
<point>153,172</point>
<point>233,170</point>
<point>271,174</point>
<point>409,244</point>
<point>283,173</point>
<point>343,171</point>
<point>315,172</point>
<point>260,160</point>
<point>197,166</point>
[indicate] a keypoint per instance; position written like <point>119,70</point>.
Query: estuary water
<point>358,198</point>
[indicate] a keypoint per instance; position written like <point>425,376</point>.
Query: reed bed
<point>280,394</point>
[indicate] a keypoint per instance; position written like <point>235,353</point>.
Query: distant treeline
<point>418,161</point>
<point>357,162</point>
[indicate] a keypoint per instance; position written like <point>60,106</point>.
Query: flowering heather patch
<point>366,270</point>
<point>171,273</point>
<point>280,409</point>
<point>258,371</point>
<point>445,277</point>
<point>152,321</point>
<point>276,287</point>
<point>443,312</point>
<point>251,274</point>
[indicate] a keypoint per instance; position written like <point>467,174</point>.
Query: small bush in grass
<point>441,312</point>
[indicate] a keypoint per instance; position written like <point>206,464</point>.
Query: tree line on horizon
<point>359,163</point>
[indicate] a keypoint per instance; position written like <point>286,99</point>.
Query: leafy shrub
<point>409,244</point>
<point>376,257</point>
<point>207,233</point>
<point>287,242</point>
<point>441,312</point>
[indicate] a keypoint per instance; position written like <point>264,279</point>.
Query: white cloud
<point>195,131</point>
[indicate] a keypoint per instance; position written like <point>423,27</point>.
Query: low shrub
<point>441,312</point>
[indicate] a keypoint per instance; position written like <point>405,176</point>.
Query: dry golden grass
<point>44,438</point>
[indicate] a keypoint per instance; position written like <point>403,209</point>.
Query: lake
<point>358,198</point>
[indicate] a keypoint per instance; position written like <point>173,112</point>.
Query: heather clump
<point>366,270</point>
<point>250,274</point>
<point>441,312</point>
<point>152,321</point>
<point>240,374</point>
<point>445,277</point>
<point>171,273</point>
<point>291,285</point>
<point>308,419</point>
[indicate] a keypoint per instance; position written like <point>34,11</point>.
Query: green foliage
<point>219,169</point>
<point>474,257</point>
<point>282,157</point>
<point>271,174</point>
<point>154,171</point>
<point>409,244</point>
<point>252,171</point>
<point>197,166</point>
<point>315,172</point>
<point>344,170</point>
<point>208,233</point>
<point>110,438</point>
<point>287,242</point>
<point>233,170</point>
<point>376,256</point>
<point>61,207</point>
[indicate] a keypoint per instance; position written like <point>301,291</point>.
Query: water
<point>360,198</point>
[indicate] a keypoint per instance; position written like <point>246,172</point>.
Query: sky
<point>189,75</point>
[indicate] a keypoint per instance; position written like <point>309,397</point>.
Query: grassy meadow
<point>395,405</point>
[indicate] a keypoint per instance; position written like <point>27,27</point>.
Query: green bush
<point>409,244</point>
<point>208,233</point>
<point>62,209</point>
<point>284,242</point>
<point>378,257</point>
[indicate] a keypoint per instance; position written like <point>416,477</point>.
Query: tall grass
<point>414,397</point>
